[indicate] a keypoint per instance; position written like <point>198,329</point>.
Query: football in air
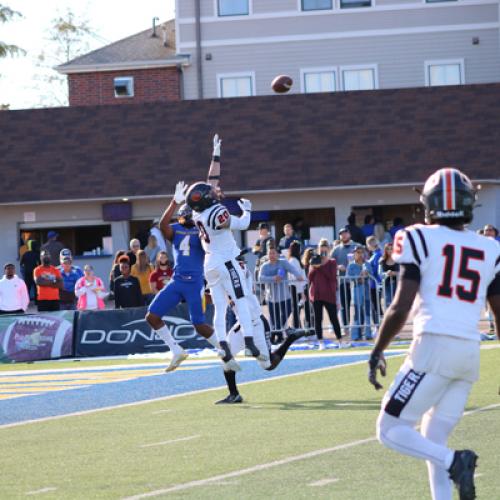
<point>282,84</point>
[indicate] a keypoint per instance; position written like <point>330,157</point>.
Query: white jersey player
<point>447,273</point>
<point>222,272</point>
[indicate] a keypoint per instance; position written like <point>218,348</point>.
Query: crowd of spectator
<point>356,271</point>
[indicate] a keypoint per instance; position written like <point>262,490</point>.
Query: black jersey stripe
<point>210,215</point>
<point>497,261</point>
<point>413,247</point>
<point>422,240</point>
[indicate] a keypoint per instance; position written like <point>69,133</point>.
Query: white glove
<point>180,192</point>
<point>217,144</point>
<point>245,205</point>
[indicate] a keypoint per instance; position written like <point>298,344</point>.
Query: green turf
<point>99,455</point>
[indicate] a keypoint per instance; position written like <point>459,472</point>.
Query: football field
<point>307,431</point>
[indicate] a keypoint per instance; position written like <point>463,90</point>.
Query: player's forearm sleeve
<point>241,223</point>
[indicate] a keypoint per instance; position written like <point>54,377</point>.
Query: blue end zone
<point>202,376</point>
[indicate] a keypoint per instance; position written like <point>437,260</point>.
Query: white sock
<point>166,336</point>
<point>438,430</point>
<point>212,340</point>
<point>402,437</point>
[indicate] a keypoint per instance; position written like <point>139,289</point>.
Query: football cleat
<point>231,399</point>
<point>177,359</point>
<point>462,473</point>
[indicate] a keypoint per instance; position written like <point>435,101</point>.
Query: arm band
<point>216,158</point>
<point>241,223</point>
<point>213,177</point>
<point>494,287</point>
<point>410,272</point>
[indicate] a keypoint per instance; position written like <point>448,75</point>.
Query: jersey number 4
<point>184,246</point>
<point>445,289</point>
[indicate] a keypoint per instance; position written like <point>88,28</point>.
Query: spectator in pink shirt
<point>90,291</point>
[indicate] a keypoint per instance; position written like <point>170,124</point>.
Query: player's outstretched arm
<point>178,199</point>
<point>394,319</point>
<point>214,170</point>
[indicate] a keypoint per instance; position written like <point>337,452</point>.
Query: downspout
<point>199,68</point>
<point>180,72</point>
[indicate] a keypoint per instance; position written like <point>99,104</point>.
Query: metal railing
<point>286,305</point>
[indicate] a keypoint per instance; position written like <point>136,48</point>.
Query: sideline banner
<point>33,337</point>
<point>125,331</point>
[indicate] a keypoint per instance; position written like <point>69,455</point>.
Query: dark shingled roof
<point>269,143</point>
<point>135,48</point>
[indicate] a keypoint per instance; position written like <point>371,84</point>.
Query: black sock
<point>230,377</point>
<point>227,352</point>
<point>278,355</point>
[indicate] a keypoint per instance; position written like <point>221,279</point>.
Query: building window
<point>351,4</point>
<point>444,73</point>
<point>320,80</point>
<point>359,78</point>
<point>124,86</point>
<point>236,85</point>
<point>233,7</point>
<point>316,4</point>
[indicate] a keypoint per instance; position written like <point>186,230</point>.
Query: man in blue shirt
<point>70,275</point>
<point>187,282</point>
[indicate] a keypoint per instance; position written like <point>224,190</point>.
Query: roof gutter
<point>242,192</point>
<point>184,60</point>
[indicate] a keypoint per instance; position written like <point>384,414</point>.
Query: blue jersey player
<point>187,283</point>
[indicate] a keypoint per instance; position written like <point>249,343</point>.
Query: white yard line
<point>174,396</point>
<point>171,441</point>
<point>324,482</point>
<point>161,411</point>
<point>43,490</point>
<point>268,465</point>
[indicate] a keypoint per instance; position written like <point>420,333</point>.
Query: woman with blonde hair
<point>142,270</point>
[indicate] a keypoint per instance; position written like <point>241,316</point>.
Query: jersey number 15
<point>446,289</point>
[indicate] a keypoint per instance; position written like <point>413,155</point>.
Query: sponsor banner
<point>125,331</point>
<point>33,337</point>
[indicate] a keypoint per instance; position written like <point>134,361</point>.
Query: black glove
<point>376,362</point>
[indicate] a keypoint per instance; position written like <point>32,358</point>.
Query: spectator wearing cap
<point>343,254</point>
<point>53,246</point>
<point>70,275</point>
<point>115,269</point>
<point>14,298</point>
<point>261,245</point>
<point>49,282</point>
<point>127,287</point>
<point>135,246</point>
<point>90,291</point>
<point>288,238</point>
<point>30,260</point>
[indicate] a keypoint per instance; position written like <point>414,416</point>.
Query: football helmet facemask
<point>448,197</point>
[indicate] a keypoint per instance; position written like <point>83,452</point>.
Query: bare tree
<point>68,37</point>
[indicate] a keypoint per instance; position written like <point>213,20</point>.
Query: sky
<point>111,20</point>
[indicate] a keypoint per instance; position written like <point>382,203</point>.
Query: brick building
<point>309,156</point>
<point>141,68</point>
